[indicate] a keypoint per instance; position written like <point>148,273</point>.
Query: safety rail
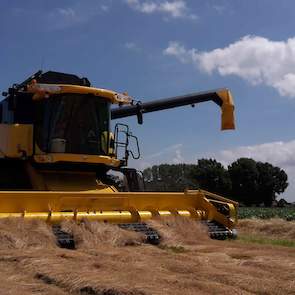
<point>122,144</point>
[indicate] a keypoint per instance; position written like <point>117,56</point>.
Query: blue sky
<point>160,48</point>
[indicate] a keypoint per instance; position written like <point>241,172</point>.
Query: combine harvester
<point>57,148</point>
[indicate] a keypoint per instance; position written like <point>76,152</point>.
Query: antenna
<point>42,63</point>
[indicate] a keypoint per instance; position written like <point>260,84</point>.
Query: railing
<point>123,137</point>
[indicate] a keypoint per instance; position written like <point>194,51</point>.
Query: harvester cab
<point>62,124</point>
<point>56,148</point>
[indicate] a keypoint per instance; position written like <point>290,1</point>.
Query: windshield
<point>73,123</point>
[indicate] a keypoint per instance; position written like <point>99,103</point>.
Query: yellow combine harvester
<point>56,148</point>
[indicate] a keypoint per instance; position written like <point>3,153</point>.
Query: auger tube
<point>221,97</point>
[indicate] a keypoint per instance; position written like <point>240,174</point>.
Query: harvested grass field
<point>111,261</point>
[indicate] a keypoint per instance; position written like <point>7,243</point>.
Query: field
<point>111,261</point>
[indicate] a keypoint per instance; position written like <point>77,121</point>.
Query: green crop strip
<point>267,213</point>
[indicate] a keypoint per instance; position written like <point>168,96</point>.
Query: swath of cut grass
<point>17,233</point>
<point>94,234</point>
<point>276,232</point>
<point>196,265</point>
<point>174,249</point>
<point>273,228</point>
<point>179,231</point>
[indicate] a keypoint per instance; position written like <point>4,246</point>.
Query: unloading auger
<point>56,149</point>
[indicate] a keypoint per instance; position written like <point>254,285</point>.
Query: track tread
<point>63,239</point>
<point>152,236</point>
<point>215,230</point>
<point>218,231</point>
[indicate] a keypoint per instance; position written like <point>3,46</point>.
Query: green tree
<point>244,177</point>
<point>272,181</point>
<point>212,176</point>
<point>245,180</point>
<point>254,183</point>
<point>166,177</point>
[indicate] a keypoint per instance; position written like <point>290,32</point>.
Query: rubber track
<point>218,231</point>
<point>215,231</point>
<point>63,239</point>
<point>151,235</point>
<point>66,240</point>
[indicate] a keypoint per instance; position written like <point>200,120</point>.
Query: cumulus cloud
<point>278,153</point>
<point>173,9</point>
<point>170,155</point>
<point>255,59</point>
<point>179,51</point>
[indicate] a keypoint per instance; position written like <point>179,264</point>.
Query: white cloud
<point>105,7</point>
<point>179,51</point>
<point>66,12</point>
<point>255,59</point>
<point>279,153</point>
<point>168,155</point>
<point>166,151</point>
<point>178,159</point>
<point>173,9</point>
<point>220,9</point>
<point>76,13</point>
<point>131,46</point>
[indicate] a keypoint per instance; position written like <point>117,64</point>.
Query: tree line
<point>245,180</point>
